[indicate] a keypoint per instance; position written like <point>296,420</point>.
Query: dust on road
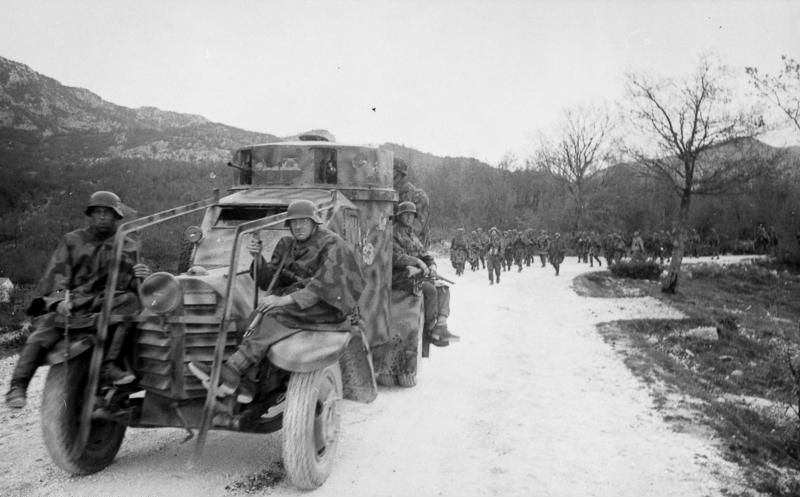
<point>530,402</point>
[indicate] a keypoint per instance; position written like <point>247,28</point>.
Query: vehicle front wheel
<point>62,401</point>
<point>311,426</point>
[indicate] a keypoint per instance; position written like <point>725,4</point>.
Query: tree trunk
<point>670,283</point>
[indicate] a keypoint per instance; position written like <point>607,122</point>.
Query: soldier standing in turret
<point>410,193</point>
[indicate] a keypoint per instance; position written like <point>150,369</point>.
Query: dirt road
<point>530,402</point>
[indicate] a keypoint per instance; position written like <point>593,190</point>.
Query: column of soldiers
<point>501,250</point>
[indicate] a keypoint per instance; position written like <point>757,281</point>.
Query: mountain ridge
<point>37,113</point>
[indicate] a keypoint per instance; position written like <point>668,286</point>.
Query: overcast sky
<point>449,77</point>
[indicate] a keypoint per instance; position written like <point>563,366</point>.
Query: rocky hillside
<point>40,117</point>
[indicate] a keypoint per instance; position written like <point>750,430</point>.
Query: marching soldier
<point>555,252</point>
<point>459,252</point>
<point>494,255</point>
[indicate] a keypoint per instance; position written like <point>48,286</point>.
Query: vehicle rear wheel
<point>386,380</point>
<point>407,380</point>
<point>62,401</point>
<point>311,426</point>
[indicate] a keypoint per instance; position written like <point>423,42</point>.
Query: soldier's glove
<point>254,246</point>
<point>272,301</point>
<point>141,271</point>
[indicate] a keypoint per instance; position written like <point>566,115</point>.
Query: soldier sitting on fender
<point>409,259</point>
<point>81,265</point>
<point>320,282</point>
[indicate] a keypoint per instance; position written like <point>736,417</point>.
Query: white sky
<point>449,77</point>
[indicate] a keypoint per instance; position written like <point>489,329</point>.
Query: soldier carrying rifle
<point>410,259</point>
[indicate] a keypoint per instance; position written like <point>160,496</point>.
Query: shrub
<point>647,270</point>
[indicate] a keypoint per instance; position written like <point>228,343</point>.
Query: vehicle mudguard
<point>77,346</point>
<point>358,371</point>
<point>307,351</point>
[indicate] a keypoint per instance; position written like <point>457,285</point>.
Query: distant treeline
<point>40,201</point>
<point>468,194</point>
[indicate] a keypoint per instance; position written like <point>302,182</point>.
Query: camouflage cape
<point>81,264</point>
<point>323,265</point>
<point>410,193</point>
<point>406,248</point>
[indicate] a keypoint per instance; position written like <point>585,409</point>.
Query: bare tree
<point>508,162</point>
<point>696,137</point>
<point>577,149</point>
<point>782,90</point>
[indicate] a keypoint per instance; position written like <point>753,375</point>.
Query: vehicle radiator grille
<point>163,349</point>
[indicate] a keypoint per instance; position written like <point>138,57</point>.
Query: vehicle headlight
<point>193,234</point>
<point>160,292</point>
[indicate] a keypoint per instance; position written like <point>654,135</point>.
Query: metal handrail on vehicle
<point>219,349</point>
<point>103,321</point>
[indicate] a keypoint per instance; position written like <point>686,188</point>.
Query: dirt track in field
<point>530,402</point>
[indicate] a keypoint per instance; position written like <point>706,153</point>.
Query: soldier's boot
<point>30,357</point>
<point>442,332</point>
<point>110,372</point>
<point>229,378</point>
<point>17,395</point>
<point>435,337</point>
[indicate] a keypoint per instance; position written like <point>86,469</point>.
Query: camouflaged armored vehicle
<point>201,313</point>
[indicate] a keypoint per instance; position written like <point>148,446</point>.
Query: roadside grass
<point>740,386</point>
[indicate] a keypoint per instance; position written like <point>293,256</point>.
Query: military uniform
<point>637,248</point>
<point>324,280</point>
<point>80,264</point>
<point>494,255</point>
<point>459,252</point>
<point>407,248</point>
<point>474,246</point>
<point>483,240</point>
<point>410,193</point>
<point>594,248</point>
<point>543,244</point>
<point>555,252</point>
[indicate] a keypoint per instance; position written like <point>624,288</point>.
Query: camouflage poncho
<point>406,248</point>
<point>323,265</point>
<point>410,193</point>
<point>81,264</point>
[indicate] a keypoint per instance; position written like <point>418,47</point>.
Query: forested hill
<point>59,143</point>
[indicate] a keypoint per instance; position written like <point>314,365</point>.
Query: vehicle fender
<point>307,351</point>
<point>358,371</point>
<point>77,346</point>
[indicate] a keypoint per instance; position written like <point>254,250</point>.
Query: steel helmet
<point>400,166</point>
<point>103,198</point>
<point>302,209</point>
<point>406,207</point>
